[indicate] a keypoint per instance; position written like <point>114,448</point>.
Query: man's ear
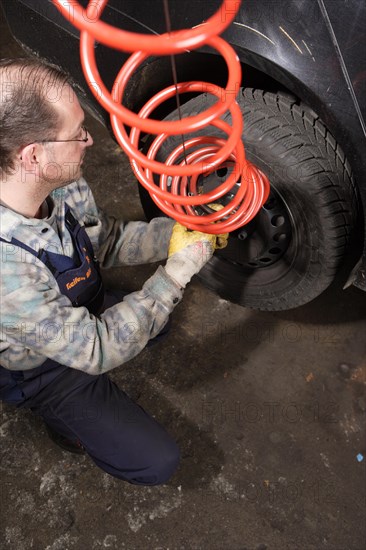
<point>30,155</point>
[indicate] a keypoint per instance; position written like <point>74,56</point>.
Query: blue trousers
<point>118,435</point>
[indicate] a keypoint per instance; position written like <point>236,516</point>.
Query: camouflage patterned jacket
<point>38,322</point>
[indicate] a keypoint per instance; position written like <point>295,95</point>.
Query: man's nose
<point>90,141</point>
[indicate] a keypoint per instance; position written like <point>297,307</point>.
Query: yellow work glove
<point>189,251</point>
<point>221,240</point>
<point>182,236</point>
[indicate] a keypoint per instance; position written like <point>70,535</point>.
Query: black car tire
<point>313,185</point>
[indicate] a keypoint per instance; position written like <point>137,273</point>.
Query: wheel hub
<point>264,240</point>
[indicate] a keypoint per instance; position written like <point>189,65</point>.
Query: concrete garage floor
<point>268,409</point>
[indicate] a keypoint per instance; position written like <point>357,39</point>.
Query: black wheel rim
<point>263,241</point>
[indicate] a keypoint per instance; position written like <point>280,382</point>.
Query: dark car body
<point>313,49</point>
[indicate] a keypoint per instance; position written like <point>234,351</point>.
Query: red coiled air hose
<point>178,194</point>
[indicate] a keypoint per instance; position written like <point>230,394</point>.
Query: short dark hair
<point>27,112</point>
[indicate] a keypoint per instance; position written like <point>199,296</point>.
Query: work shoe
<point>64,443</point>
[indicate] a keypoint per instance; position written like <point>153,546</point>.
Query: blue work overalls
<point>119,436</point>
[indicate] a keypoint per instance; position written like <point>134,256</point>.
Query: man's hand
<point>183,237</point>
<point>189,251</point>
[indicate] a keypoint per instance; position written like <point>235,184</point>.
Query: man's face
<point>64,159</point>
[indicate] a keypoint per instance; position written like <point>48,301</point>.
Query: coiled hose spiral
<point>178,192</point>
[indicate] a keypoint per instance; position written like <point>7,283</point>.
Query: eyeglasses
<point>84,139</point>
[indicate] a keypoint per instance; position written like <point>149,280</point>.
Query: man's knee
<point>162,466</point>
<point>156,468</point>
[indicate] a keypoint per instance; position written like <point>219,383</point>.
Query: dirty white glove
<point>189,251</point>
